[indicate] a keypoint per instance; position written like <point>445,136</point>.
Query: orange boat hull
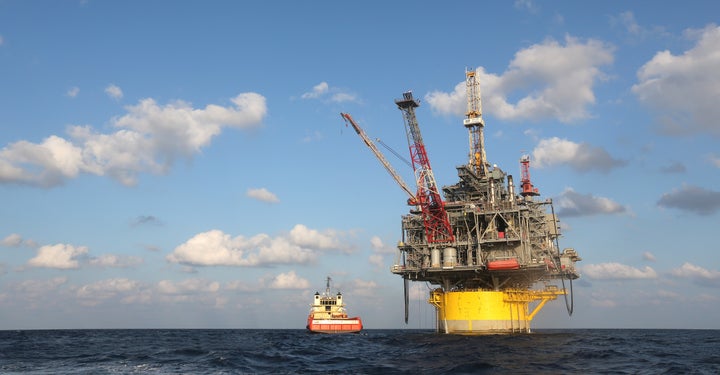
<point>341,325</point>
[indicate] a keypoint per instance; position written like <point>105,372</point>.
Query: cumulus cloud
<point>189,286</point>
<point>315,239</point>
<point>115,261</point>
<point>692,199</point>
<point>571,203</point>
<point>93,294</point>
<point>216,248</point>
<point>692,271</point>
<point>582,157</point>
<point>150,137</point>
<point>323,91</point>
<point>617,271</point>
<point>12,240</point>
<point>554,81</point>
<point>380,250</point>
<point>697,274</point>
<point>114,92</point>
<point>262,194</point>
<point>317,91</point>
<point>60,256</point>
<point>380,247</point>
<point>288,280</point>
<point>683,88</point>
<point>33,289</point>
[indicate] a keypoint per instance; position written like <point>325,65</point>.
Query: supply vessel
<point>328,314</point>
<point>488,249</point>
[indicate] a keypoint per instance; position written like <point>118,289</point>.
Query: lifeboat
<point>503,265</point>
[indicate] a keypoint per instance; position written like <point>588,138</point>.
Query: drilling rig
<point>491,254</point>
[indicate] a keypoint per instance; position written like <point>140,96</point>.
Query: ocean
<point>295,351</point>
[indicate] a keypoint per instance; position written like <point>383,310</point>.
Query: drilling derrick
<point>489,253</point>
<point>474,122</point>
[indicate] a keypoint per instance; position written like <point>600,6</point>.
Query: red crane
<point>435,218</point>
<point>527,187</point>
<point>379,156</point>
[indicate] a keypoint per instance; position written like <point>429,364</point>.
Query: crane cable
<point>394,152</point>
<point>571,305</point>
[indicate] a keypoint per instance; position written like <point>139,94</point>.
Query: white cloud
<point>571,203</point>
<point>342,97</point>
<point>693,199</point>
<point>215,248</point>
<point>33,289</point>
<point>683,88</point>
<point>311,238</point>
<point>212,248</point>
<point>73,92</point>
<point>582,157</point>
<point>242,286</point>
<point>189,286</point>
<point>691,271</point>
<point>380,247</point>
<point>617,271</point>
<point>317,91</point>
<point>262,194</point>
<point>364,288</point>
<point>288,280</point>
<point>115,261</point>
<point>150,138</point>
<point>114,92</point>
<point>12,240</point>
<point>58,256</point>
<point>648,256</point>
<point>556,81</point>
<point>93,294</point>
<point>49,162</point>
<point>323,91</point>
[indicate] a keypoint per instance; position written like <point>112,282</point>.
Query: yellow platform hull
<point>488,312</point>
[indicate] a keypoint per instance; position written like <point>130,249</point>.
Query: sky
<point>172,164</point>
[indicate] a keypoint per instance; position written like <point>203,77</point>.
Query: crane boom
<point>435,218</point>
<point>379,155</point>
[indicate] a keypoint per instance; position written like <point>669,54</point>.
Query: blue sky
<point>184,164</point>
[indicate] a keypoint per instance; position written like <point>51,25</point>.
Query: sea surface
<point>295,351</point>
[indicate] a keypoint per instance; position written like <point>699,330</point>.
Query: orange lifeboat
<point>503,265</point>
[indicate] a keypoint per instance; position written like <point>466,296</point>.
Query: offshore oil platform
<point>490,253</point>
